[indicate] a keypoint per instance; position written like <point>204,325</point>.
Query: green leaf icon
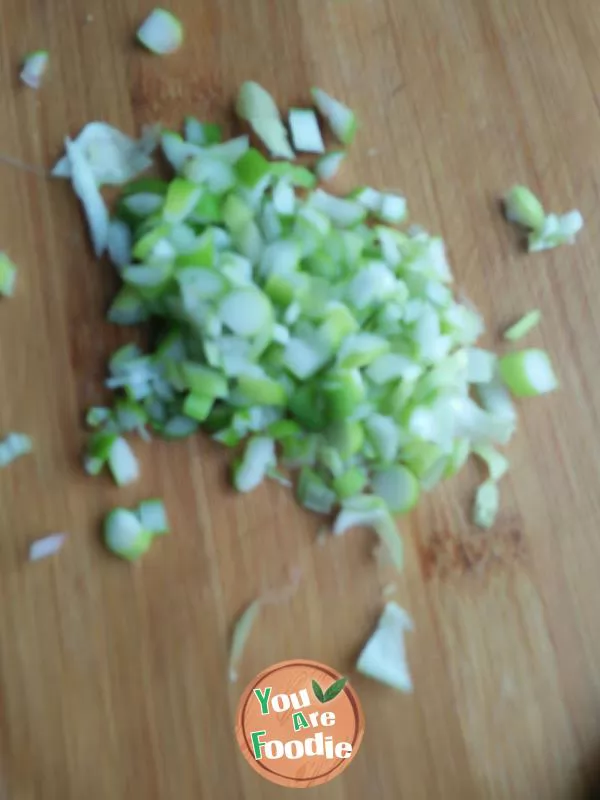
<point>318,692</point>
<point>335,689</point>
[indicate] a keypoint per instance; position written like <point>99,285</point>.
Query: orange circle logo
<point>299,724</point>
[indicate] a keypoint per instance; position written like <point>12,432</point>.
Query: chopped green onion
<point>34,68</point>
<point>329,165</point>
<point>8,276</point>
<point>98,416</point>
<point>523,207</point>
<point>366,510</point>
<point>122,462</point>
<point>528,373</point>
<point>497,464</point>
<point>383,658</point>
<point>241,633</point>
<point>86,189</point>
<point>153,517</point>
<point>293,321</point>
<point>259,457</point>
<point>161,32</point>
<point>124,535</point>
<point>256,106</point>
<point>393,209</point>
<point>202,133</point>
<point>14,446</point>
<point>313,492</point>
<point>47,546</point>
<point>487,502</point>
<point>398,487</point>
<point>113,157</point>
<point>306,135</point>
<point>556,231</point>
<point>341,119</point>
<point>526,324</point>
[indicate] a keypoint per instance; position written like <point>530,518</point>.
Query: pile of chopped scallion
<point>315,332</point>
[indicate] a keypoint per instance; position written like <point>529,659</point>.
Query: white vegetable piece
<point>124,535</point>
<point>86,189</point>
<point>241,634</point>
<point>258,458</point>
<point>119,243</point>
<point>122,463</point>
<point>306,134</point>
<point>161,32</point>
<point>556,231</point>
<point>487,503</point>
<point>14,446</point>
<point>328,166</point>
<point>383,658</point>
<point>528,373</point>
<point>256,106</point>
<point>481,365</point>
<point>393,209</point>
<point>48,546</point>
<point>34,68</point>
<point>113,157</point>
<point>153,516</point>
<point>497,464</point>
<point>341,119</point>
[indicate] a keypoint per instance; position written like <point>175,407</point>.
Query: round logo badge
<point>299,724</point>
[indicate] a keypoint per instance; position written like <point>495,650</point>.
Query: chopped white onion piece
<point>256,106</point>
<point>487,503</point>
<point>47,546</point>
<point>86,189</point>
<point>161,32</point>
<point>306,134</point>
<point>113,157</point>
<point>34,68</point>
<point>341,119</point>
<point>383,658</point>
<point>328,166</point>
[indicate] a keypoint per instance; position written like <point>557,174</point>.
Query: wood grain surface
<point>113,678</point>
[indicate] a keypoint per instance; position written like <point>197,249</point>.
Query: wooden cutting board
<point>113,678</point>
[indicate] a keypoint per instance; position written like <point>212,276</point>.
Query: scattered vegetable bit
<point>14,446</point>
<point>528,373</point>
<point>523,207</point>
<point>161,32</point>
<point>306,134</point>
<point>496,463</point>
<point>34,68</point>
<point>329,165</point>
<point>125,536</point>
<point>8,275</point>
<point>526,324</point>
<point>487,503</point>
<point>370,511</point>
<point>258,459</point>
<point>153,516</point>
<point>546,231</point>
<point>86,189</point>
<point>256,106</point>
<point>113,157</point>
<point>47,546</point>
<point>341,119</point>
<point>241,633</point>
<point>122,462</point>
<point>383,658</point>
<point>556,231</point>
